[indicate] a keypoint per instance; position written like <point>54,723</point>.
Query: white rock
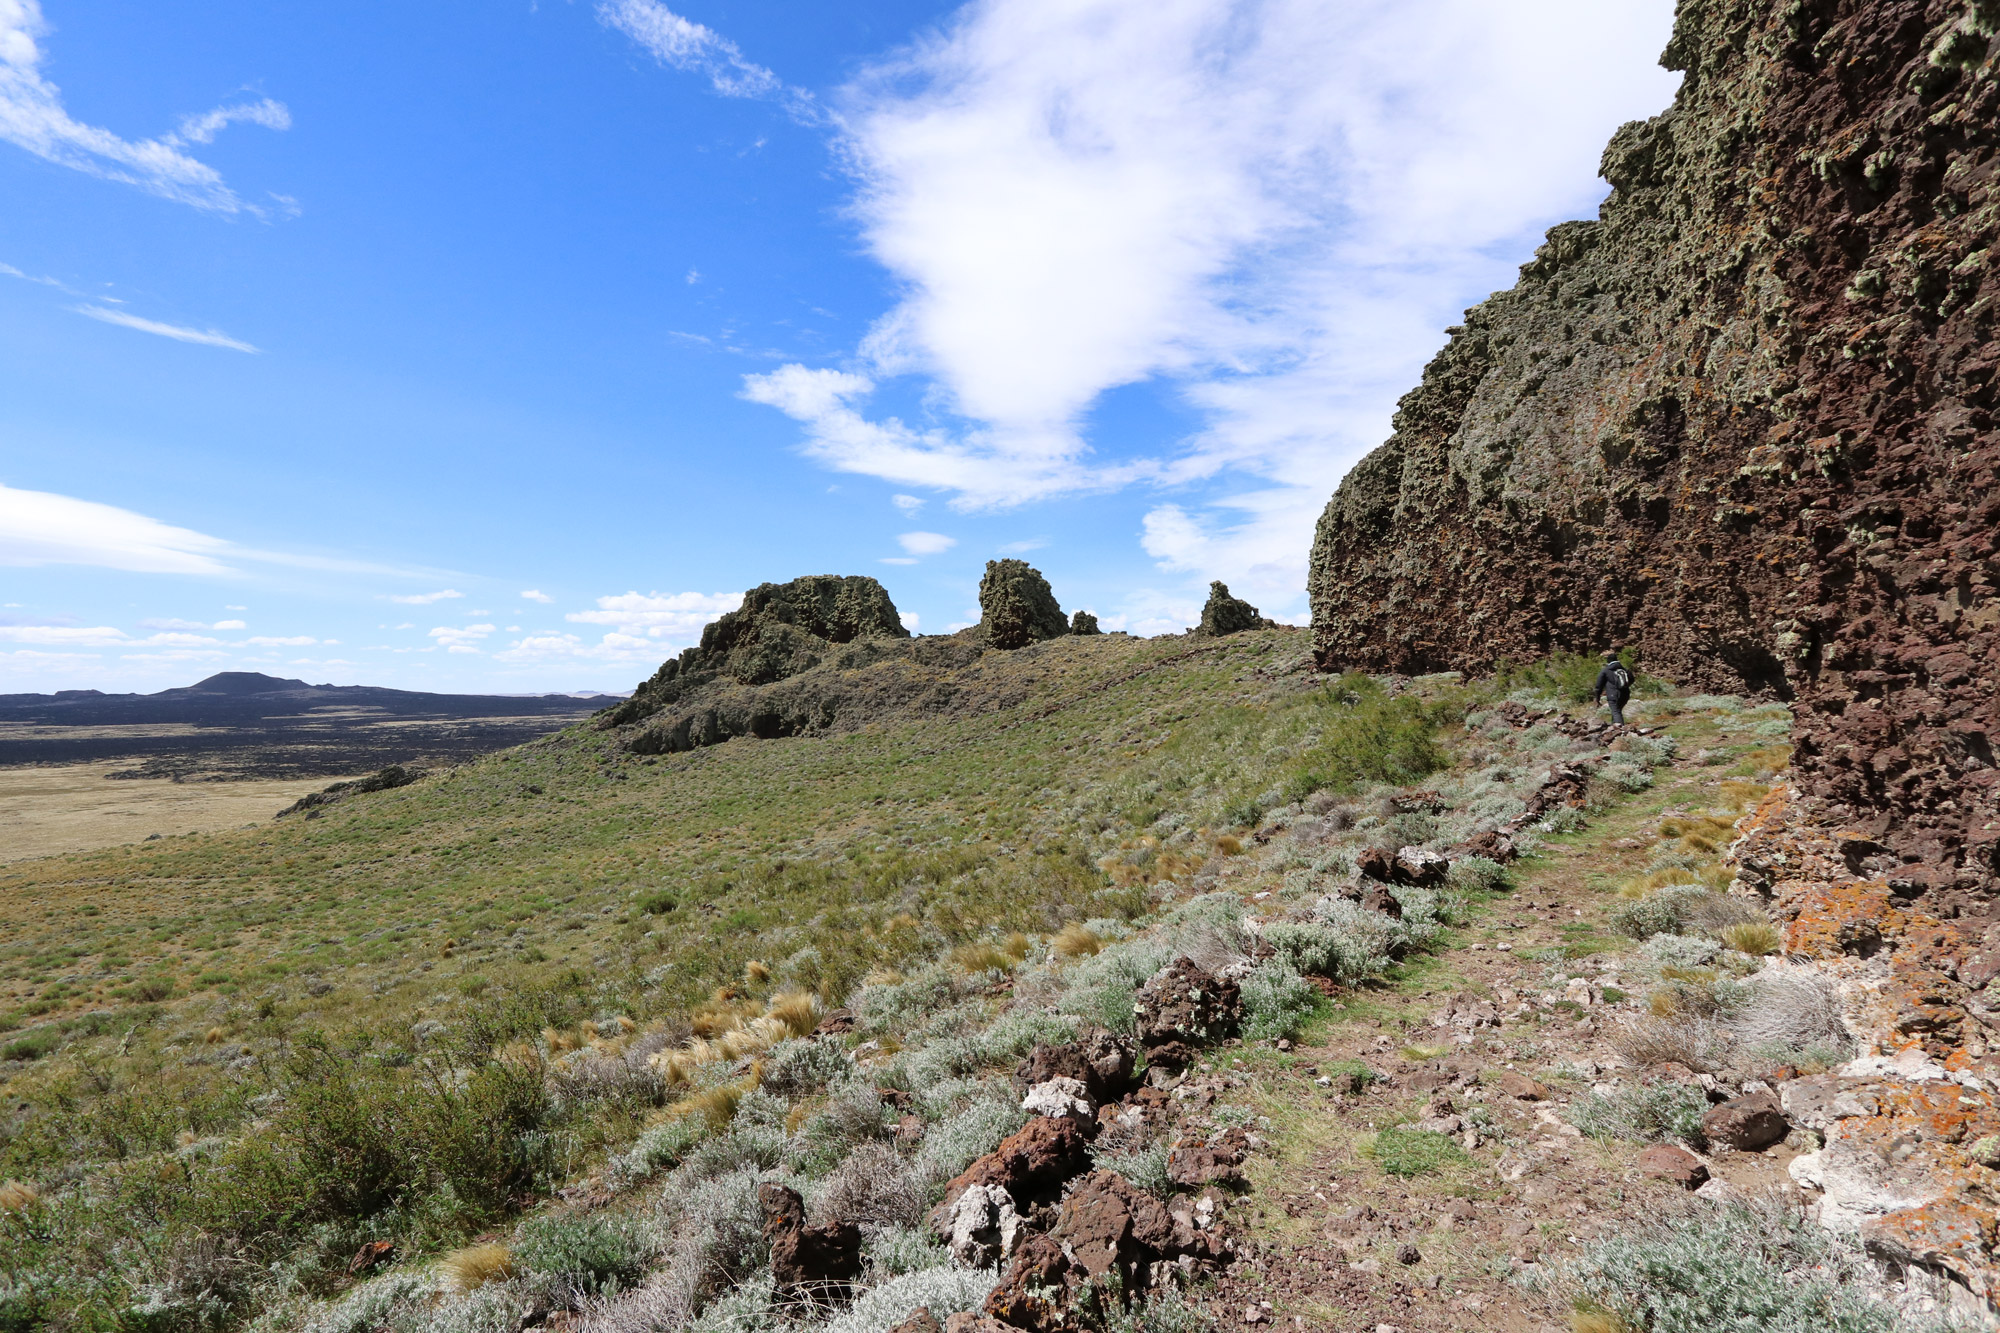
<point>985,1228</point>
<point>1057,1098</point>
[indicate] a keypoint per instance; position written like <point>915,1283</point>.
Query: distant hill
<point>247,724</point>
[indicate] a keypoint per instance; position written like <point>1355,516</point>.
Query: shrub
<point>1076,941</point>
<point>1680,950</point>
<point>1645,1113</point>
<point>1366,735</point>
<point>803,1066</point>
<point>972,959</point>
<point>1627,777</point>
<point>903,1005</point>
<point>1791,1009</point>
<point>1163,1312</point>
<point>1756,938</point>
<point>1276,1001</point>
<point>954,1145</point>
<point>946,1289</point>
<point>1477,874</point>
<point>369,1306</point>
<point>1362,942</point>
<point>1403,1151</point>
<point>1661,912</point>
<point>1702,1044</point>
<point>1145,1168</point>
<point>33,1046</point>
<point>594,1253</point>
<point>664,1145</point>
<point>872,1186</point>
<point>1019,1030</point>
<point>1736,1269</point>
<point>895,1250</point>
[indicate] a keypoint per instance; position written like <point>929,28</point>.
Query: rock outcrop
<point>780,630</point>
<point>1017,607</point>
<point>1224,614</point>
<point>1744,420</point>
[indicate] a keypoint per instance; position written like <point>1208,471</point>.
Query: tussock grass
<point>17,1196</point>
<point>1756,938</point>
<point>1077,940</point>
<point>468,1269</point>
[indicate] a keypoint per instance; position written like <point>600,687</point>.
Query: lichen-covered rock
<point>1744,419</point>
<point>1082,622</point>
<point>1108,1228</point>
<point>1034,1293</point>
<point>1218,1161</point>
<point>1182,1008</point>
<point>982,1226</point>
<point>1223,614</point>
<point>1750,1123</point>
<point>1017,607</point>
<point>1059,1098</point>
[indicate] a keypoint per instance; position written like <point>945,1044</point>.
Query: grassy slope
<point>534,857</point>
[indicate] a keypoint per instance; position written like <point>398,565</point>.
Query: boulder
<point>1665,1161</point>
<point>983,1227</point>
<point>1017,607</point>
<point>1034,1293</point>
<point>1421,867</point>
<point>1107,1227</point>
<point>1183,1006</point>
<point>1749,1124</point>
<point>1101,1061</point>
<point>921,1320</point>
<point>1218,1161</point>
<point>1224,614</point>
<point>1082,622</point>
<point>806,1260</point>
<point>1031,1163</point>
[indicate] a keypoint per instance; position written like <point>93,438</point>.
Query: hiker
<point>1614,686</point>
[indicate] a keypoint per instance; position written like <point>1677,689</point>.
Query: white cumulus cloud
<point>457,638</point>
<point>926,543</point>
<point>1270,208</point>
<point>424,598</point>
<point>32,116</point>
<point>535,595</point>
<point>679,616</point>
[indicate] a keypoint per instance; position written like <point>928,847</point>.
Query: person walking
<point>1614,686</point>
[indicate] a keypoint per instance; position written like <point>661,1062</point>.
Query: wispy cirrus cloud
<point>42,528</point>
<point>32,117</point>
<point>696,49</point>
<point>206,337</point>
<point>422,598</point>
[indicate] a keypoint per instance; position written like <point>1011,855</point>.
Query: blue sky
<point>499,346</point>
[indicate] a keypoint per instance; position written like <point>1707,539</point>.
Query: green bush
<point>1643,1114</point>
<point>1368,735</point>
<point>1145,1168</point>
<point>1403,1151</point>
<point>1661,912</point>
<point>1478,874</point>
<point>1734,1269</point>
<point>33,1046</point>
<point>1277,1001</point>
<point>595,1253</point>
<point>1570,676</point>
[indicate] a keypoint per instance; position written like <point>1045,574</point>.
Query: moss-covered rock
<point>1017,607</point>
<point>1082,622</point>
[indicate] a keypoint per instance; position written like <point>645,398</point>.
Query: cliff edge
<point>1744,421</point>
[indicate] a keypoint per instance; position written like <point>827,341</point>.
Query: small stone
<point>1664,1161</point>
<point>1407,1254</point>
<point>1252,1315</point>
<point>1986,1151</point>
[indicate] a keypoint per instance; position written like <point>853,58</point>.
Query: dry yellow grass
<point>983,957</point>
<point>1077,941</point>
<point>474,1266</point>
<point>1755,938</point>
<point>58,808</point>
<point>1016,946</point>
<point>213,1037</point>
<point>1229,845</point>
<point>1597,1321</point>
<point>17,1196</point>
<point>797,1012</point>
<point>717,1105</point>
<point>756,972</point>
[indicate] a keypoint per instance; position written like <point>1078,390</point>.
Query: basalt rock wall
<point>1744,420</point>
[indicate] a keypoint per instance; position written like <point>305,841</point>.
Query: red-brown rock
<point>1750,1123</point>
<point>1193,1163</point>
<point>1183,1006</point>
<point>1031,1163</point>
<point>806,1259</point>
<point>921,1320</point>
<point>1518,1085</point>
<point>1665,1161</point>
<point>1099,1060</point>
<point>1107,1226</point>
<point>1034,1294</point>
<point>371,1257</point>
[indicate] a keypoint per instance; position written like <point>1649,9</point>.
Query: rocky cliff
<point>1744,420</point>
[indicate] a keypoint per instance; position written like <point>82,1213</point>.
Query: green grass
<point>1402,1151</point>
